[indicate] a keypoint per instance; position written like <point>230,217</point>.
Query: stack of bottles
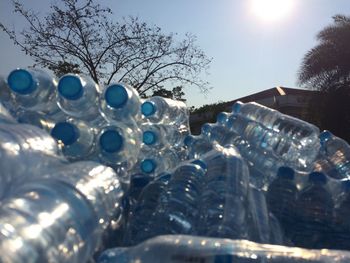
<point>87,168</point>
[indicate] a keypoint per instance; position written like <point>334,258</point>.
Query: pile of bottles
<point>87,168</point>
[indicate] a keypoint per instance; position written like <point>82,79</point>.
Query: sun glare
<point>272,10</point>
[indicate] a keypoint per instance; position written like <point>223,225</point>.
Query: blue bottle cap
<point>188,140</point>
<point>285,172</point>
<point>148,108</point>
<point>200,163</point>
<point>140,180</point>
<point>111,141</point>
<point>65,132</point>
<point>221,117</point>
<point>148,166</point>
<point>116,96</point>
<point>237,107</point>
<point>317,177</point>
<point>70,87</point>
<point>149,137</point>
<point>205,129</point>
<point>325,136</point>
<point>21,81</point>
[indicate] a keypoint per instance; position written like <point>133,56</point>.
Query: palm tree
<point>326,68</point>
<point>329,61</point>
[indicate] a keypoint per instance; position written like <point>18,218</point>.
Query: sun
<point>272,10</point>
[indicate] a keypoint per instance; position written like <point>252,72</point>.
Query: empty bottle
<point>314,208</point>
<point>224,196</point>
<point>39,119</point>
<point>197,145</point>
<point>337,152</point>
<point>178,209</point>
<point>26,151</point>
<point>33,89</point>
<point>141,221</point>
<point>76,137</point>
<point>120,102</point>
<point>158,136</point>
<point>158,109</point>
<point>277,143</point>
<point>259,230</point>
<point>119,144</point>
<point>78,97</point>
<point>159,161</point>
<point>281,198</point>
<point>61,218</point>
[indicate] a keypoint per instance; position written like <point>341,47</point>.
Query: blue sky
<point>249,54</point>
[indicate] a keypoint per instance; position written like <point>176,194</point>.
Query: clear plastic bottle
<point>39,119</point>
<point>78,96</point>
<point>156,162</point>
<point>259,230</point>
<point>197,145</point>
<point>141,221</point>
<point>277,143</point>
<point>224,195</point>
<point>281,198</point>
<point>76,138</point>
<point>33,89</point>
<point>119,144</point>
<point>61,218</point>
<point>178,209</point>
<point>120,102</point>
<point>26,151</point>
<point>158,109</point>
<point>159,136</point>
<point>337,152</point>
<point>314,208</point>
<point>218,133</point>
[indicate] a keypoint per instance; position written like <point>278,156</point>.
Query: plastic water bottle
<point>340,233</point>
<point>120,102</point>
<point>76,137</point>
<point>337,152</point>
<point>259,216</point>
<point>26,151</point>
<point>51,217</point>
<point>182,248</point>
<point>279,144</point>
<point>178,208</point>
<point>197,145</point>
<point>286,134</point>
<point>33,89</point>
<point>141,221</point>
<point>158,109</point>
<point>39,119</point>
<point>224,196</point>
<point>119,144</point>
<point>159,161</point>
<point>78,96</point>
<point>218,133</point>
<point>314,208</point>
<point>158,136</point>
<point>281,198</point>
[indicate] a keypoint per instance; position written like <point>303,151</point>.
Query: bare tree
<point>79,34</point>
